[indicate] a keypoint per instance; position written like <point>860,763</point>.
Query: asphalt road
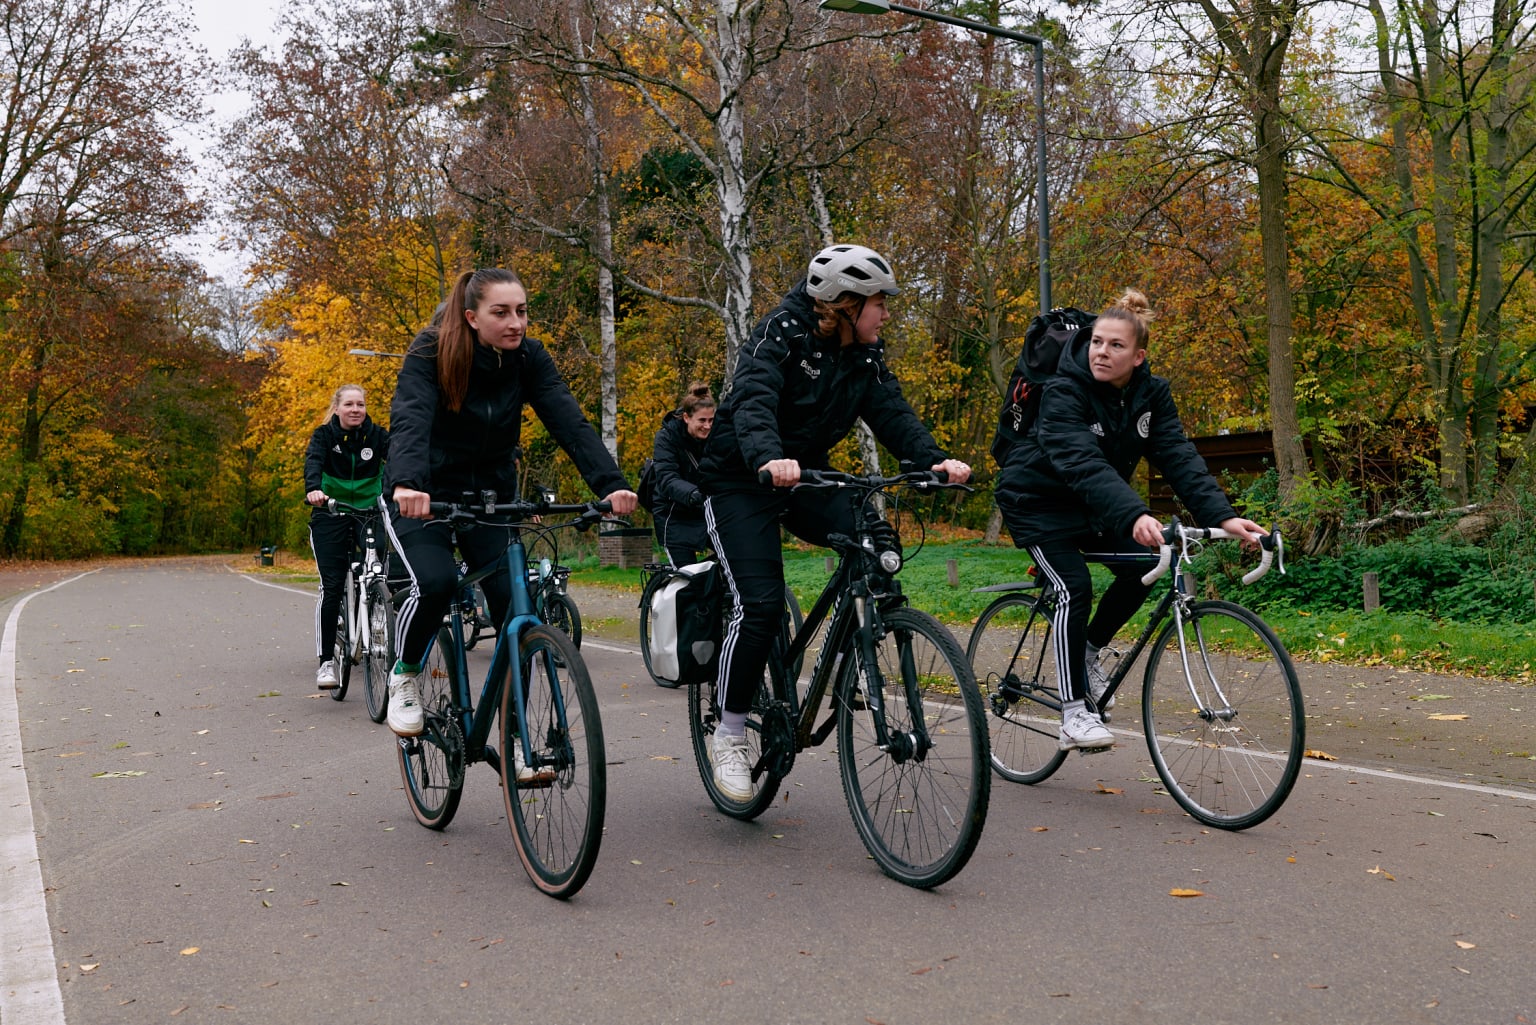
<point>218,843</point>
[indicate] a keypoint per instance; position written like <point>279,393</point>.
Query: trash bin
<point>267,552</point>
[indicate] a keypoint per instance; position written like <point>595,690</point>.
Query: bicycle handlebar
<point>336,508</point>
<point>1271,545</point>
<point>922,480</point>
<point>588,513</point>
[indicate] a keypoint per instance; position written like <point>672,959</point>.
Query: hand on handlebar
<point>1147,531</point>
<point>623,502</point>
<point>1248,531</point>
<point>958,472</point>
<point>415,505</point>
<point>317,497</point>
<point>785,473</point>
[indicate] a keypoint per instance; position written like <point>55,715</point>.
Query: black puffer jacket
<point>677,454</point>
<point>346,465</point>
<point>444,453</point>
<point>795,395</point>
<point>1071,474</point>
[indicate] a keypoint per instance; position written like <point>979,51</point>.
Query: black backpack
<point>1045,339</point>
<point>645,489</point>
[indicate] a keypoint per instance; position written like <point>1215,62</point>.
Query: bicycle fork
<point>1222,710</point>
<point>902,746</point>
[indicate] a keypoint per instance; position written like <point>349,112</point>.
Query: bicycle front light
<point>890,561</point>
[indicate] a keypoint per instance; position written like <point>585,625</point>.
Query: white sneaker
<point>526,775</point>
<point>404,716</point>
<point>325,676</point>
<point>1098,682</point>
<point>1083,730</point>
<point>733,770</point>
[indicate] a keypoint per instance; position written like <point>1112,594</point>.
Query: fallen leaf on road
<point>93,967</point>
<point>1430,697</point>
<point>1463,944</point>
<point>127,774</point>
<point>1180,892</point>
<point>1109,790</point>
<point>1321,755</point>
<point>1379,871</point>
<point>189,951</point>
<point>1448,717</point>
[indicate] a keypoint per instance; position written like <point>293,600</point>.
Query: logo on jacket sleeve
<point>1144,425</point>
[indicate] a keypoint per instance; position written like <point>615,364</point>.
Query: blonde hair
<point>1132,306</point>
<point>336,399</point>
<point>697,398</point>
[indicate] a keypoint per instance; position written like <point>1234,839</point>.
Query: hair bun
<point>1134,302</point>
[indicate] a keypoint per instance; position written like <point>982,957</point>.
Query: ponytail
<point>455,338</point>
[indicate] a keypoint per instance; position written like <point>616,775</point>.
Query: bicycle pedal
<point>1094,750</point>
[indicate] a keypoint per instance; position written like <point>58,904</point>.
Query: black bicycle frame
<point>858,617</point>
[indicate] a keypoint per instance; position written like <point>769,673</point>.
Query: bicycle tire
<point>557,822</point>
<point>341,649</point>
<point>381,650</point>
<point>1235,770</point>
<point>921,817</point>
<point>560,612</point>
<point>1015,668</point>
<point>657,581</point>
<point>432,764</point>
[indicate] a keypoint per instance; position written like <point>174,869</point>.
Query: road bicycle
<point>551,760</point>
<point>911,730</point>
<point>1221,706</point>
<point>656,575</point>
<point>365,624</point>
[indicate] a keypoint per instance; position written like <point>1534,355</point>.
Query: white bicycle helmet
<point>842,268</point>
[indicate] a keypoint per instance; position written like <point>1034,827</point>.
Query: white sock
<point>732,724</point>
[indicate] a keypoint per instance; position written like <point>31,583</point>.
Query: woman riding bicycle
<point>456,419</point>
<point>1065,489</point>
<point>813,366</point>
<point>679,502</point>
<point>344,461</point>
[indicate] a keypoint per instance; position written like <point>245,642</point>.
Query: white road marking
<point>29,980</point>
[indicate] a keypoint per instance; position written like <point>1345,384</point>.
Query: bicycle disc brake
<point>778,734</point>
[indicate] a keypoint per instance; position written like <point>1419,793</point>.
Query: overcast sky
<point>221,25</point>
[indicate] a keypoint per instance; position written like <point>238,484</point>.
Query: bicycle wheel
<point>341,650</point>
<point>1223,716</point>
<point>1015,668</point>
<point>432,764</point>
<point>381,650</point>
<point>920,802</point>
<point>561,612</point>
<point>658,579</point>
<point>478,623</point>
<point>556,816</point>
<point>704,716</point>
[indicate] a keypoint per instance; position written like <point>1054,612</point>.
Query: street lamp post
<point>1041,187</point>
